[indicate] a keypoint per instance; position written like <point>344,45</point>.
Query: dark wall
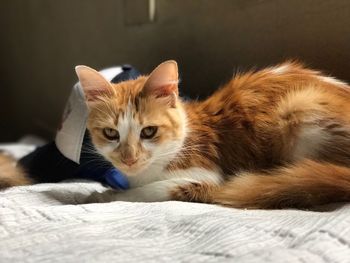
<point>42,41</point>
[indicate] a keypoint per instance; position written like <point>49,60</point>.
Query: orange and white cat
<point>275,138</point>
<point>279,137</point>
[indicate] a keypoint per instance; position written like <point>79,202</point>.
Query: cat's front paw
<point>193,192</point>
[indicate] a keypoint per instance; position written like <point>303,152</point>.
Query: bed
<point>51,223</point>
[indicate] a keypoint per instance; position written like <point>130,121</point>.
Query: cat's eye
<point>148,132</point>
<point>111,134</point>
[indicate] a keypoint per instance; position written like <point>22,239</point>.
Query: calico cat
<point>275,138</point>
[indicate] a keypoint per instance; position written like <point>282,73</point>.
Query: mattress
<point>51,223</point>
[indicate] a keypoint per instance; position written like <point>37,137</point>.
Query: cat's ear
<point>93,83</point>
<point>163,83</point>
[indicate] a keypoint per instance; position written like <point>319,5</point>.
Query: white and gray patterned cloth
<point>48,223</point>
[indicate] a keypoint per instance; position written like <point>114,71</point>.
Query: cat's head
<point>136,123</point>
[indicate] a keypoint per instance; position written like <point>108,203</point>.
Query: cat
<point>268,139</point>
<point>274,138</point>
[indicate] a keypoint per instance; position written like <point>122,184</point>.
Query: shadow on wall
<point>43,40</point>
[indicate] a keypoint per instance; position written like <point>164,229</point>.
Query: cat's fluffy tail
<point>305,184</point>
<point>10,174</point>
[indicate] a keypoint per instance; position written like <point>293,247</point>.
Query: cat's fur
<point>279,137</point>
<point>10,174</point>
<point>275,138</point>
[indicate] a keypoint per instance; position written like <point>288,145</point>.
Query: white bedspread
<point>47,223</point>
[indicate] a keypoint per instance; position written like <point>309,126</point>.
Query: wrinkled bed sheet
<point>49,223</point>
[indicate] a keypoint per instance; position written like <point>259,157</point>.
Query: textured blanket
<point>48,223</point>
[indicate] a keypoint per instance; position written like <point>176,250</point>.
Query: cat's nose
<point>129,161</point>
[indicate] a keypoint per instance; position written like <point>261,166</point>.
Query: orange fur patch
<point>302,185</point>
<point>10,175</point>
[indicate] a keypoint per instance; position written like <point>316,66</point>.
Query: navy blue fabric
<point>129,72</point>
<point>47,164</point>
